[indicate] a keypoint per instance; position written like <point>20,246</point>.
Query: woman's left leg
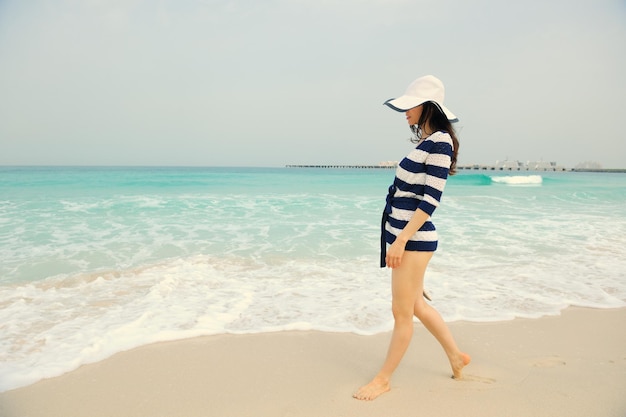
<point>432,320</point>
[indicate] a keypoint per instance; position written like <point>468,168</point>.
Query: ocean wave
<point>518,179</point>
<point>56,325</point>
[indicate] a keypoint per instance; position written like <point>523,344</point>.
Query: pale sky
<point>275,82</point>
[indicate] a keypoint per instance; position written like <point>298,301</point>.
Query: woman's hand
<point>395,253</point>
<point>396,250</point>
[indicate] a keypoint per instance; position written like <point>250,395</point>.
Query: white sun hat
<point>423,89</point>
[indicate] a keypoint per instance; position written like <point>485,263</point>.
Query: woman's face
<point>413,115</point>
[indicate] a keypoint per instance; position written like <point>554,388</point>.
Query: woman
<point>406,226</point>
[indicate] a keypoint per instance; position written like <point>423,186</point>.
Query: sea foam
<point>90,271</point>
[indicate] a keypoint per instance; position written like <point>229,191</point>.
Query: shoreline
<point>569,365</point>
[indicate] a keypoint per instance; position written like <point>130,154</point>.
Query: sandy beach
<point>569,365</point>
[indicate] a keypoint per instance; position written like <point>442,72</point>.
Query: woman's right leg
<point>406,284</point>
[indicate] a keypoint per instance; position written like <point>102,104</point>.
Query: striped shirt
<point>420,179</point>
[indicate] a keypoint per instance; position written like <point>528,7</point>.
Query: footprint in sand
<point>476,378</point>
<point>549,362</point>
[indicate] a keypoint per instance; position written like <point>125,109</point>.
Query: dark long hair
<point>434,117</point>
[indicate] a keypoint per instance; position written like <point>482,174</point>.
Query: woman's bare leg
<point>431,319</point>
<point>406,283</point>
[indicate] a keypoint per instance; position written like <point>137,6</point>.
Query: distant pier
<point>537,169</point>
<point>510,168</point>
<point>345,166</point>
<point>394,165</point>
<point>617,170</point>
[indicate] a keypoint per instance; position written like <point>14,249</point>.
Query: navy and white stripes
<point>420,179</point>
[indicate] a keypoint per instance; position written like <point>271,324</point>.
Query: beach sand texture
<point>569,365</point>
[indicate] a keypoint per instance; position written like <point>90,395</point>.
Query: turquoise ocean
<point>98,260</point>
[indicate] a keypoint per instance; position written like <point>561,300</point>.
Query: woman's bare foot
<point>376,387</point>
<point>457,366</point>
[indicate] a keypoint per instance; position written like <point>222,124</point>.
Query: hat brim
<point>404,103</point>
